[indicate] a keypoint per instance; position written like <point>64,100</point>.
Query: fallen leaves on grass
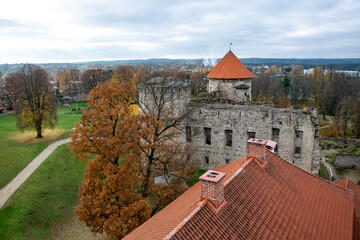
<point>30,136</point>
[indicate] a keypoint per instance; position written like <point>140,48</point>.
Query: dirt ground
<point>72,229</point>
<point>29,136</point>
<point>351,174</point>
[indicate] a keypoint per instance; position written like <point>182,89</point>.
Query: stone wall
<point>173,99</point>
<point>295,132</point>
<point>236,89</point>
<point>341,142</point>
<point>78,96</point>
<point>218,132</point>
<point>348,161</point>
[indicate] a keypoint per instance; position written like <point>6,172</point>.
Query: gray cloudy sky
<point>80,30</point>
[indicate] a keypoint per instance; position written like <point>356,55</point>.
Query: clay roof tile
<point>276,200</point>
<point>230,67</point>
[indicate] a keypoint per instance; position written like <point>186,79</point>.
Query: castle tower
<point>231,78</point>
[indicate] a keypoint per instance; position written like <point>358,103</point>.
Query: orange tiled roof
<point>230,67</point>
<point>346,183</point>
<point>276,200</point>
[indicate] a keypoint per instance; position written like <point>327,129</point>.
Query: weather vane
<point>230,46</point>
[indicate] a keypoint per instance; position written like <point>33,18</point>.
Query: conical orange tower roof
<point>230,67</point>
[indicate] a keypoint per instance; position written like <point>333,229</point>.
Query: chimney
<point>257,148</point>
<point>212,187</point>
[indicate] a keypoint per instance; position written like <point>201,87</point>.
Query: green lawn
<point>15,156</point>
<point>323,173</point>
<point>195,178</point>
<point>47,198</point>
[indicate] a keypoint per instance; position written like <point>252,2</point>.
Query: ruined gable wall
<point>174,98</point>
<point>242,119</point>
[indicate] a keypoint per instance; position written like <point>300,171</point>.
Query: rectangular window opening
<point>207,160</point>
<point>275,133</point>
<point>297,149</point>
<point>298,134</point>
<point>251,135</point>
<point>207,132</point>
<point>228,137</point>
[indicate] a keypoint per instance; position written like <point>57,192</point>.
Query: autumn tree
<point>197,83</point>
<point>33,98</point>
<point>261,87</point>
<point>91,78</point>
<point>64,80</point>
<point>321,87</point>
<point>110,199</point>
<point>2,82</point>
<point>126,153</point>
<point>163,151</point>
<point>5,98</point>
<point>301,87</point>
<point>124,74</point>
<point>356,120</point>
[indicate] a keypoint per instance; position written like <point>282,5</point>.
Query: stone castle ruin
<point>219,133</point>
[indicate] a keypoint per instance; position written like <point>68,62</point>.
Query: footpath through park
<point>9,189</point>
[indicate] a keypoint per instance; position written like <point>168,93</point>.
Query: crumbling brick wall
<point>296,133</point>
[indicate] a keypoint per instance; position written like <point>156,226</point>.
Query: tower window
<point>228,137</point>
<point>207,160</point>
<point>207,132</point>
<point>251,135</point>
<point>275,133</point>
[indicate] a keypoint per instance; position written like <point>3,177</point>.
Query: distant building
<point>259,196</point>
<point>349,73</point>
<point>308,71</point>
<point>311,71</point>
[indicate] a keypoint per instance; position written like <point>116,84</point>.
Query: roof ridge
<point>185,220</point>
<point>347,183</point>
<point>310,174</point>
<point>230,67</point>
<point>249,160</point>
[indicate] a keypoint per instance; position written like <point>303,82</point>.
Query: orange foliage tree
<point>163,150</point>
<point>126,152</point>
<point>284,102</point>
<point>109,198</point>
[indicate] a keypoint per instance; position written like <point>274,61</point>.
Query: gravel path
<point>331,170</point>
<point>330,122</point>
<point>9,189</point>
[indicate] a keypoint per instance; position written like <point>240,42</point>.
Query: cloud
<point>59,30</point>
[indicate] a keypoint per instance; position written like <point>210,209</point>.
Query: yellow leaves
<point>274,69</point>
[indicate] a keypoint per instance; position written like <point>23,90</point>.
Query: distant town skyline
<point>42,31</point>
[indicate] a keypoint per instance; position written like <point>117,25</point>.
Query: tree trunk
<point>39,134</point>
<point>148,174</point>
<point>38,128</point>
<point>346,118</point>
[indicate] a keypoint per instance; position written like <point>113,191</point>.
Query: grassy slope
<point>47,197</point>
<point>195,178</point>
<point>323,173</point>
<point>15,156</point>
